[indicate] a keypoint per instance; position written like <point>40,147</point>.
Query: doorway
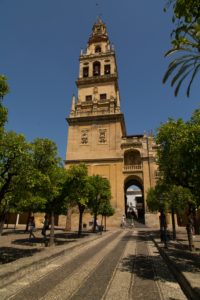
<point>134,199</point>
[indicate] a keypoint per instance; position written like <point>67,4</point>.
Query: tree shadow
<point>143,265</point>
<point>186,261</point>
<point>28,242</point>
<point>10,254</point>
<point>60,238</point>
<point>71,235</point>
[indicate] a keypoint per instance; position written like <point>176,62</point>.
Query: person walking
<point>45,225</point>
<point>123,221</point>
<point>31,227</point>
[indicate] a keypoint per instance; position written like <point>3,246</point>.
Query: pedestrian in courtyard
<point>31,227</point>
<point>45,225</point>
<point>123,221</point>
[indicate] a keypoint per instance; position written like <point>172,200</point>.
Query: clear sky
<point>40,43</point>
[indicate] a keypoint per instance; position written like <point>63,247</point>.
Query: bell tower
<point>98,91</point>
<point>96,127</point>
<point>96,124</point>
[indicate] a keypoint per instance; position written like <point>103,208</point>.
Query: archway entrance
<point>134,199</point>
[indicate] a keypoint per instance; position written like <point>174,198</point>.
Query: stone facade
<point>97,132</point>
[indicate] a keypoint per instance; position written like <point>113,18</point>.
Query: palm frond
<point>180,82</point>
<point>182,70</point>
<point>174,50</point>
<point>196,70</point>
<point>174,64</point>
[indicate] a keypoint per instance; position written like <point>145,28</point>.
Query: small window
<point>103,96</point>
<point>98,30</point>
<point>97,49</point>
<point>96,68</point>
<point>107,69</point>
<point>88,98</point>
<point>85,71</point>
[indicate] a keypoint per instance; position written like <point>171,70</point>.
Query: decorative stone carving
<point>102,136</point>
<point>84,137</point>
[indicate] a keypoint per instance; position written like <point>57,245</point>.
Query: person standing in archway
<point>123,221</point>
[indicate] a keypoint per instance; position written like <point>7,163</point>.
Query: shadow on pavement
<point>145,269</point>
<point>142,264</point>
<point>185,260</point>
<point>9,254</point>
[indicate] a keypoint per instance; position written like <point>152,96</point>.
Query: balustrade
<point>130,168</point>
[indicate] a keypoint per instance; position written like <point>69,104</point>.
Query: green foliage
<point>15,170</point>
<point>167,197</point>
<point>157,197</point>
<point>76,185</point>
<point>76,189</point>
<point>185,38</point>
<point>50,173</point>
<point>184,10</point>
<point>4,89</point>
<point>30,203</point>
<point>100,193</point>
<point>106,209</point>
<point>179,154</point>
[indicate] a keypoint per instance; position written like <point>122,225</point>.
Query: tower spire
<point>99,32</point>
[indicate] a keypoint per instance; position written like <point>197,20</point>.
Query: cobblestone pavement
<point>120,264</point>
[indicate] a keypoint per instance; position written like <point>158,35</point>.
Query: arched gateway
<point>97,132</point>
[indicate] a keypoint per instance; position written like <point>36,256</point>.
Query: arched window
<point>132,157</point>
<point>85,71</point>
<point>97,49</point>
<point>96,68</point>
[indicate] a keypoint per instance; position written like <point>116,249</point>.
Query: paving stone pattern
<point>121,264</point>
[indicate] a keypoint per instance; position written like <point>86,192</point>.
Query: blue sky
<point>39,53</point>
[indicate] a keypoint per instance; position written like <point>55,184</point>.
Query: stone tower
<point>97,133</point>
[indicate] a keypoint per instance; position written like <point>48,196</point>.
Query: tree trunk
<point>95,223</point>
<point>51,241</point>
<point>102,222</point>
<point>189,229</point>
<point>173,224</point>
<point>196,229</point>
<point>105,224</point>
<point>80,225</point>
<point>68,225</point>
<point>163,228</point>
<point>2,221</point>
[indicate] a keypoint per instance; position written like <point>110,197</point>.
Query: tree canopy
<point>179,153</point>
<point>99,196</point>
<point>185,40</point>
<point>4,89</point>
<point>15,164</point>
<point>76,189</point>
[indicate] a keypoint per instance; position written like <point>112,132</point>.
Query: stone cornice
<point>98,119</point>
<point>95,160</point>
<point>97,79</point>
<point>131,145</point>
<point>97,55</point>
